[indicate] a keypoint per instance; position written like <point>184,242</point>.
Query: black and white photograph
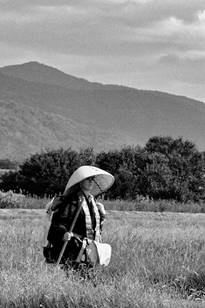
<point>102,153</point>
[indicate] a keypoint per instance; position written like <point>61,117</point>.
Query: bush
<point>166,168</point>
<point>11,200</point>
<point>46,173</point>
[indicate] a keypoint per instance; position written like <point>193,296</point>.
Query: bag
<point>104,253</point>
<point>91,253</point>
<point>49,254</point>
<point>98,253</point>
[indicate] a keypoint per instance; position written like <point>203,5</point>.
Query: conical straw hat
<point>102,179</point>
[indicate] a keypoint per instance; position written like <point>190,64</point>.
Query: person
<point>77,209</point>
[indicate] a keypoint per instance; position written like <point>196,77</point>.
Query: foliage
<point>122,169</point>
<point>169,145</point>
<point>46,173</point>
<point>166,168</point>
<point>11,200</point>
<point>186,164</point>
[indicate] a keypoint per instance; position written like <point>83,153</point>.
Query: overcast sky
<point>146,44</point>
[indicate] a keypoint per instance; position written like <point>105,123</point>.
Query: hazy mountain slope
<point>25,130</point>
<point>102,115</point>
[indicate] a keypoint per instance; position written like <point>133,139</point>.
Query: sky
<point>145,44</point>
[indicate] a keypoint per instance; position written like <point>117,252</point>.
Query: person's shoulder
<point>61,201</point>
<point>56,203</point>
<point>63,205</point>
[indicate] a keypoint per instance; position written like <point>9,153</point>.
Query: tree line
<point>165,168</point>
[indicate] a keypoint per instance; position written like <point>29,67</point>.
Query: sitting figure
<point>77,218</point>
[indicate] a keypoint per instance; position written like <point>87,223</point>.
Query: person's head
<point>87,184</point>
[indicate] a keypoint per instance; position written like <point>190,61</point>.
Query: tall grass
<point>12,200</point>
<point>149,205</point>
<point>15,201</point>
<point>158,260</point>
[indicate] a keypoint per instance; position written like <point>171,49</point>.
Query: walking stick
<point>70,230</point>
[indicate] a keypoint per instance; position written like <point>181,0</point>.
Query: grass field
<point>158,260</point>
<point>13,200</point>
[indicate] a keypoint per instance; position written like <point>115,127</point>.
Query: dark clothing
<point>64,212</point>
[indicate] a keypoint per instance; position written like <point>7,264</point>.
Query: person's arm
<point>59,220</point>
<point>102,213</point>
<point>56,231</point>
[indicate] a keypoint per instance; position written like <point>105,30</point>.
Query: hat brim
<point>102,180</point>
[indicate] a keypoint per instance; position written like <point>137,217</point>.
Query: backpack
<point>50,208</point>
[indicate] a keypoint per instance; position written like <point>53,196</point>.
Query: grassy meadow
<point>158,260</point>
<point>13,200</point>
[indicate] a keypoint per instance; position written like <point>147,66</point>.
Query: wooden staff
<point>70,230</point>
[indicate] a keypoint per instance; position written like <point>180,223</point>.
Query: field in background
<point>12,200</point>
<point>158,261</point>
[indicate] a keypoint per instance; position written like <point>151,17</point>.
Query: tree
<point>123,165</point>
<point>44,174</point>
<point>111,162</point>
<point>186,164</point>
<point>154,175</point>
<point>87,156</point>
<point>166,168</point>
<point>169,145</point>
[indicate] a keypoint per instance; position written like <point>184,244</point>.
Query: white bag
<point>104,252</point>
<point>98,253</point>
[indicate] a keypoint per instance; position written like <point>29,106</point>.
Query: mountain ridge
<point>110,114</point>
<point>10,70</point>
<point>42,73</point>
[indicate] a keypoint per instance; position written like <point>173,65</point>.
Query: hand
<point>67,236</point>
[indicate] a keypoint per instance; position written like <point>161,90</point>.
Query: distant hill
<point>36,72</point>
<point>42,107</point>
<point>25,129</point>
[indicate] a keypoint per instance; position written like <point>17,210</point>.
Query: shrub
<point>166,168</point>
<point>11,200</point>
<point>46,173</point>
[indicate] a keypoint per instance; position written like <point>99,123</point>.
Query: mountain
<point>42,107</point>
<point>36,72</point>
<point>25,129</point>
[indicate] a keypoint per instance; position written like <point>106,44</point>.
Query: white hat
<point>102,179</point>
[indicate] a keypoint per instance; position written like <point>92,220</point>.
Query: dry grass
<point>158,261</point>
<point>148,205</point>
<point>13,200</point>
